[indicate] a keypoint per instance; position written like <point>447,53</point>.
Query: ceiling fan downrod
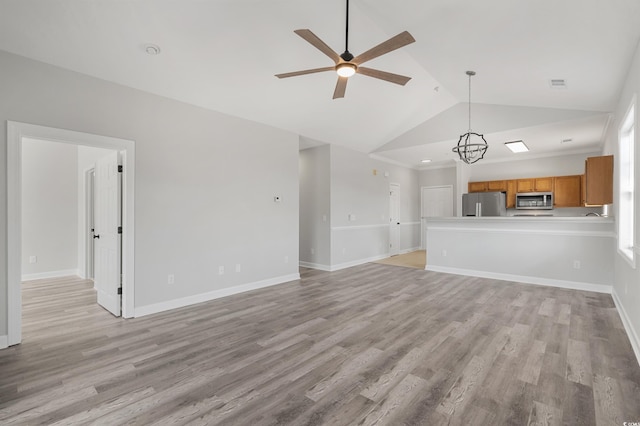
<point>346,55</point>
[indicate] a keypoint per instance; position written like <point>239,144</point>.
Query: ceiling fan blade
<point>318,44</point>
<point>383,75</point>
<point>341,86</point>
<point>390,45</point>
<point>303,72</point>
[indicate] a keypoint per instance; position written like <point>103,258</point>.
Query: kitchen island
<point>569,252</point>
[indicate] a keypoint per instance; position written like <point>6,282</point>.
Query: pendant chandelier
<point>471,146</point>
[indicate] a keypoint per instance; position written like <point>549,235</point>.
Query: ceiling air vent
<point>558,83</point>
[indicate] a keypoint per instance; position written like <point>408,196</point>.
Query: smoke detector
<point>152,49</point>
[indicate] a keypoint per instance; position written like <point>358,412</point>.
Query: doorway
<point>16,132</point>
<point>436,201</point>
<point>394,219</point>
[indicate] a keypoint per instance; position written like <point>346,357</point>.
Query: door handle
<point>398,223</point>
<point>96,236</point>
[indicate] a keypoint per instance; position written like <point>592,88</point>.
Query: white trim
<point>51,274</point>
<point>356,227</point>
<point>572,285</point>
<point>628,326</point>
<point>562,233</point>
<point>16,131</point>
<point>318,266</point>
<point>4,342</point>
<point>212,295</point>
<point>382,225</point>
<point>352,263</point>
<point>14,236</point>
<point>410,250</point>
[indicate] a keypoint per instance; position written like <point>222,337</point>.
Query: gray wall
<point>49,207</point>
<point>205,181</point>
<point>627,278</point>
<point>356,190</point>
<point>315,209</point>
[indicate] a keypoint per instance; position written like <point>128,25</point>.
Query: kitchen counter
<point>571,252</point>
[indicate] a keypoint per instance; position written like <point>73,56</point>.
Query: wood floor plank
<point>372,344</point>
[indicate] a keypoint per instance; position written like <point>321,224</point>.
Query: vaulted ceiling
<point>223,55</point>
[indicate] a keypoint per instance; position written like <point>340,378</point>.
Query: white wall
<point>87,157</point>
<point>49,209</point>
<point>315,209</point>
<point>627,278</point>
<point>356,190</point>
<point>564,165</point>
<point>205,181</point>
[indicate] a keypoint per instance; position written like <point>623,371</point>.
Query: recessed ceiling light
<point>152,49</point>
<point>516,146</point>
<point>558,83</point>
<point>425,161</point>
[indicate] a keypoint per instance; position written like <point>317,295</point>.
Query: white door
<point>437,201</point>
<point>107,238</point>
<point>394,219</point>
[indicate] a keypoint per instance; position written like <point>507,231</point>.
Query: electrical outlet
<point>344,250</point>
<point>220,270</point>
<point>33,259</point>
<point>171,279</point>
<point>324,217</point>
<point>286,259</point>
<point>576,264</point>
<point>238,267</point>
<point>313,251</point>
<point>444,253</point>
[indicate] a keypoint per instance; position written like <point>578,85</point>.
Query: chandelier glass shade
<point>471,146</point>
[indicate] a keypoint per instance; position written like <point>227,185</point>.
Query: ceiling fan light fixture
<point>346,69</point>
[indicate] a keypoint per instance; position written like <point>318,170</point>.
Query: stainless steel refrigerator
<point>484,204</point>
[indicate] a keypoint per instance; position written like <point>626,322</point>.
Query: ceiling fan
<point>347,65</point>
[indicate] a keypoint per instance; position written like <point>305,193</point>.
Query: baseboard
<point>318,266</point>
<point>331,268</point>
<point>51,274</point>
<point>572,285</point>
<point>357,262</point>
<point>631,332</point>
<point>409,250</point>
<point>212,295</point>
<point>4,342</point>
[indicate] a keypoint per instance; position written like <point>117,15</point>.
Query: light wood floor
<point>373,344</point>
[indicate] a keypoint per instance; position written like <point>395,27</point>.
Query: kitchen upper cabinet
<point>497,186</point>
<point>544,184</point>
<point>511,193</point>
<point>567,191</point>
<point>478,186</point>
<point>598,181</point>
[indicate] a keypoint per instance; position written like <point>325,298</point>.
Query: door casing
<point>16,131</point>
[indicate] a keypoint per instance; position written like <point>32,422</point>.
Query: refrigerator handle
<point>479,209</point>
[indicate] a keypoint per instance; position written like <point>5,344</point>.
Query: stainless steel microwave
<point>534,200</point>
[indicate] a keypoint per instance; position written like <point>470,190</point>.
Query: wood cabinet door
<point>544,184</point>
<point>477,186</point>
<point>599,180</point>
<point>511,194</point>
<point>567,191</point>
<point>525,185</point>
<point>497,185</point>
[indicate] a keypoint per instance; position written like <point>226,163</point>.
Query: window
<point>626,187</point>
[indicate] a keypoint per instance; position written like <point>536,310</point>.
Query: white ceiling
<point>223,54</point>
